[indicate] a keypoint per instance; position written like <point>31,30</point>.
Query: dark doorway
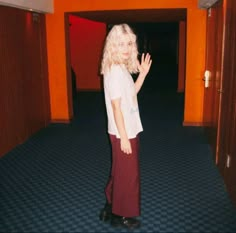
<point>161,41</point>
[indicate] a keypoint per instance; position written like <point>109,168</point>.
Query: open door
<point>213,76</point>
<point>84,44</point>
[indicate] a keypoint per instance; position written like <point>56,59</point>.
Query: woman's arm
<point>119,120</point>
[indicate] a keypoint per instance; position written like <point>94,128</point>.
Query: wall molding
<point>197,124</point>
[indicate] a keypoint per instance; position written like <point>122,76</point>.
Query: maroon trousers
<point>123,188</point>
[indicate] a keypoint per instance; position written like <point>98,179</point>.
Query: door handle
<point>207,75</point>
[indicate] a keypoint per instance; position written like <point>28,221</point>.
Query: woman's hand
<point>145,64</point>
<point>126,146</point>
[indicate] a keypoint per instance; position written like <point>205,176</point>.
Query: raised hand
<point>145,64</point>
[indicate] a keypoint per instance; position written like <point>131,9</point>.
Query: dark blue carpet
<point>54,182</point>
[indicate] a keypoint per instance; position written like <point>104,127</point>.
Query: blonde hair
<point>110,54</point>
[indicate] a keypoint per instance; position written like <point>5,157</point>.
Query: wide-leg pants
<point>123,188</point>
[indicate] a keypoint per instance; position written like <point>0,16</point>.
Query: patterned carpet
<point>55,181</point>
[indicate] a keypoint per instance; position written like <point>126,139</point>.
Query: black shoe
<point>105,214</point>
<point>130,223</point>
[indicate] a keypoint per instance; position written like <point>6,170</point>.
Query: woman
<point>124,125</point>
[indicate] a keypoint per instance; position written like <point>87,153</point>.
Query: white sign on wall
<point>206,3</point>
<point>43,6</point>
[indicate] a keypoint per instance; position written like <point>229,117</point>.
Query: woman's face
<point>125,47</point>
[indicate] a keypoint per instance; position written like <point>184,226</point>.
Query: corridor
<point>54,182</point>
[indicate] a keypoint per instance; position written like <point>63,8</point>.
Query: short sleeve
<point>114,82</point>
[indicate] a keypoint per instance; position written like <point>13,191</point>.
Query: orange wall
<point>86,43</point>
<point>195,51</point>
<point>195,67</point>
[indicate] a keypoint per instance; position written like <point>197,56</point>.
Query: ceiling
<point>135,16</point>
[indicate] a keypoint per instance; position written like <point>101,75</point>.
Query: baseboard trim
<point>197,124</point>
<point>63,121</point>
<point>88,90</point>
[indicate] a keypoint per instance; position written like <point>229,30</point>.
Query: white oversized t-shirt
<point>118,83</point>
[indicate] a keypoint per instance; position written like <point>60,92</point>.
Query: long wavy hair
<point>110,51</point>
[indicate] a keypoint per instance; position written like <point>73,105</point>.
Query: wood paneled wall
<point>24,102</point>
<point>214,58</point>
<point>227,132</point>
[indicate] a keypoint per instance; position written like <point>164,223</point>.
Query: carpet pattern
<point>54,182</point>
